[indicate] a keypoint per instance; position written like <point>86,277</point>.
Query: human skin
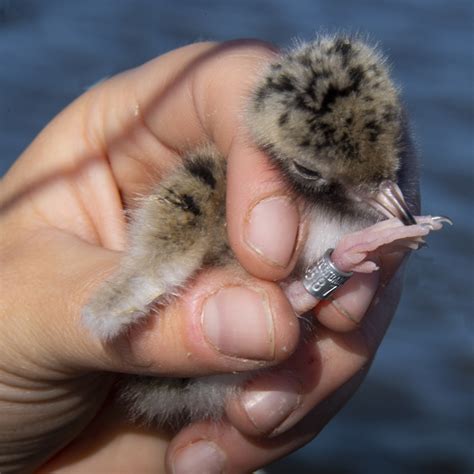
<point>63,233</point>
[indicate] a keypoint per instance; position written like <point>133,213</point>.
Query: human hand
<point>63,233</point>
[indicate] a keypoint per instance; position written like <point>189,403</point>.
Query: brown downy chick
<point>329,117</point>
<point>177,229</point>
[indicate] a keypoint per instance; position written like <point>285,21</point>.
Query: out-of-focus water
<point>415,411</point>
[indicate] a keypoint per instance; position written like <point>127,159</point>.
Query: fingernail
<point>271,229</point>
<point>199,457</point>
<point>268,409</point>
<point>238,322</point>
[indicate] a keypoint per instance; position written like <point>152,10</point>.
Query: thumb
<point>55,274</point>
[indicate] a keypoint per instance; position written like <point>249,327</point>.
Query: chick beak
<point>390,202</point>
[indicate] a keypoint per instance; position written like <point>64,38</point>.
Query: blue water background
<point>415,411</point>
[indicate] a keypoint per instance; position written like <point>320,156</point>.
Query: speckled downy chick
<point>329,118</point>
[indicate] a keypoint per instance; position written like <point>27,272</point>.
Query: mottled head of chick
<point>330,118</point>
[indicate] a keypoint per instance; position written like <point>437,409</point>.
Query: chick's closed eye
<point>306,173</point>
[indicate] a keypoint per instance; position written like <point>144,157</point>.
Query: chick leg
<point>354,251</point>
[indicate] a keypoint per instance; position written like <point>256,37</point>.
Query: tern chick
<point>330,120</point>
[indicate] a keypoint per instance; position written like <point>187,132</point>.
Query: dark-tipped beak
<point>390,202</point>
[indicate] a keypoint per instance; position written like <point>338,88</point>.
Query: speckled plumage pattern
<point>178,228</point>
<point>330,120</point>
<point>331,107</point>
